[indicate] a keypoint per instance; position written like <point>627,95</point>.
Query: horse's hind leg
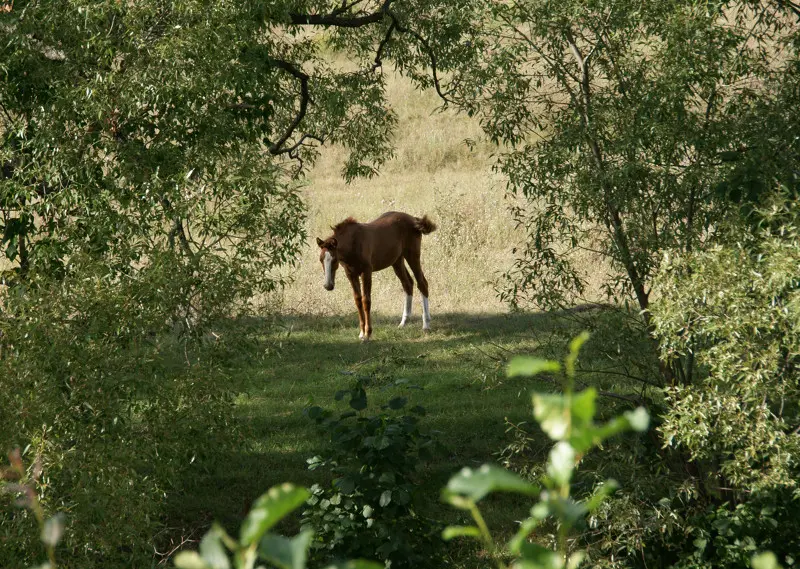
<point>408,287</point>
<point>422,285</point>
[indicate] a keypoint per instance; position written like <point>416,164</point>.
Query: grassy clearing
<point>456,372</point>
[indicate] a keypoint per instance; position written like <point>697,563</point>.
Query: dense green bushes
<point>370,509</point>
<point>736,309</point>
<point>97,389</point>
<point>568,419</point>
<point>733,312</point>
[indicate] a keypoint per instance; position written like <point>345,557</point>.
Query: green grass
<point>457,372</point>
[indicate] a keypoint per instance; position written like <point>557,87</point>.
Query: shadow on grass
<point>457,372</point>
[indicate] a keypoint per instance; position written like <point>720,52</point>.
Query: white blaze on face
<point>426,315</point>
<point>406,310</point>
<point>327,262</point>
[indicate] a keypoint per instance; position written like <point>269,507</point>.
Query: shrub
<point>103,395</point>
<point>735,310</point>
<point>568,419</point>
<point>370,509</point>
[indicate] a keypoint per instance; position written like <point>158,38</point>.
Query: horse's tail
<point>424,225</point>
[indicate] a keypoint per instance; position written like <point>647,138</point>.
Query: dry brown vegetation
<point>434,172</point>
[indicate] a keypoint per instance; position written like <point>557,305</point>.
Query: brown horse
<point>363,248</point>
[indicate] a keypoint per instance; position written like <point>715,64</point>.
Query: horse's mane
<point>343,224</point>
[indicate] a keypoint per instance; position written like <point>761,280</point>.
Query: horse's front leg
<point>354,282</point>
<point>366,299</point>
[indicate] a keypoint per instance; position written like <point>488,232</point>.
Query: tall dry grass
<point>434,172</point>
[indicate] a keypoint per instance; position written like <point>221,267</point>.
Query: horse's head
<point>329,258</point>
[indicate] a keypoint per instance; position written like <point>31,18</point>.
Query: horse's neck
<point>351,250</point>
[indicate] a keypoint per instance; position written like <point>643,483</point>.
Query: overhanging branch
<point>402,29</point>
<point>337,20</point>
<point>278,147</point>
<point>382,45</point>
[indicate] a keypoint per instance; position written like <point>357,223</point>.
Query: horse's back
<point>394,234</point>
<point>398,218</point>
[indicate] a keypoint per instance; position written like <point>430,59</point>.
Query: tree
<point>150,164</point>
<point>621,121</point>
<point>131,131</point>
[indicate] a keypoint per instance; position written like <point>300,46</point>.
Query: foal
<point>363,248</point>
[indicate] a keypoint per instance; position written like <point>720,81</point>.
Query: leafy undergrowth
<point>456,372</point>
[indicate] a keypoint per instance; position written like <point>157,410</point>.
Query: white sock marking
<point>426,314</point>
<point>406,311</point>
<point>328,262</point>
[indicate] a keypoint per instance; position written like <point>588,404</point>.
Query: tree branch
<point>402,29</point>
<point>793,7</point>
<point>622,374</point>
<point>382,45</point>
<point>277,148</point>
<point>335,18</point>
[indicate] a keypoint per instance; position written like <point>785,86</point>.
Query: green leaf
<point>476,484</point>
<point>269,509</point>
<point>386,498</point>
<point>576,559</point>
<point>577,343</point>
<point>402,496</point>
<point>525,529</point>
<point>387,478</point>
<point>630,420</point>
<point>638,419</point>
<point>345,485</point>
<point>53,530</point>
<point>583,407</point>
<point>358,399</point>
<point>601,493</point>
<point>190,560</point>
<point>574,350</point>
<point>284,552</point>
<point>534,555</point>
<point>451,532</point>
<point>552,415</point>
<point>314,412</point>
<point>528,366</point>
<point>765,560</point>
<point>561,463</point>
<point>397,403</point>
<point>213,551</point>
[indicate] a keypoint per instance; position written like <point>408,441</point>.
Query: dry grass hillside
<point>434,172</point>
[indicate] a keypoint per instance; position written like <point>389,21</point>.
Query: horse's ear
<point>319,242</point>
<point>333,243</point>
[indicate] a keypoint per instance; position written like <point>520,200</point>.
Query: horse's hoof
<point>426,330</point>
<point>401,325</point>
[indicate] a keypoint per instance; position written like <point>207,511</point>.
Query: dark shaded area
<point>456,372</point>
